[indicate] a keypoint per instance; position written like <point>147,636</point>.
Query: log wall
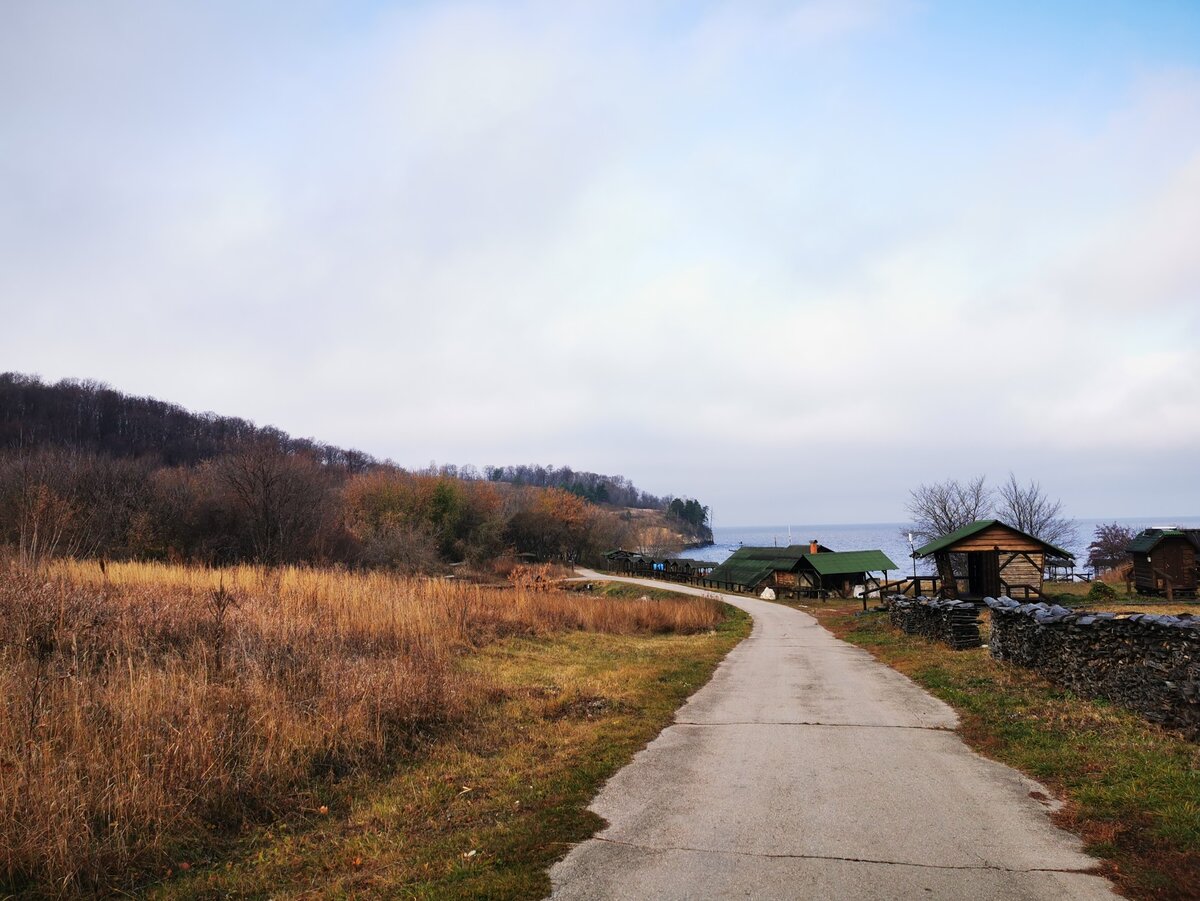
<point>1017,569</point>
<point>996,537</point>
<point>1145,662</point>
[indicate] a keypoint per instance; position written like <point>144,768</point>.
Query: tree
<point>281,497</point>
<point>942,507</point>
<point>1108,547</point>
<point>1030,510</point>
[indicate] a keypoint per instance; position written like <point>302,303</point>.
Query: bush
<point>1101,593</point>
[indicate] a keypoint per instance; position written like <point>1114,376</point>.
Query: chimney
<point>813,547</point>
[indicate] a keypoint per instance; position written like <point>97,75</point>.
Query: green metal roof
<point>978,526</point>
<point>750,565</point>
<point>1149,539</point>
<point>837,563</point>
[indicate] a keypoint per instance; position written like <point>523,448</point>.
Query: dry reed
<point>149,708</point>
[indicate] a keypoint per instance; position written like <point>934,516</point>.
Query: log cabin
<point>1164,561</point>
<point>800,570</point>
<point>1000,560</point>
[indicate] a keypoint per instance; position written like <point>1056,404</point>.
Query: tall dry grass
<point>147,708</point>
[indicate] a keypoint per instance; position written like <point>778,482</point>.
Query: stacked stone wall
<point>1146,662</point>
<point>954,622</point>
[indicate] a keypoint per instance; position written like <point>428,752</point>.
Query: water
<point>889,537</point>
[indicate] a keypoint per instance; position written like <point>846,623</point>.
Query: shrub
<point>1101,593</point>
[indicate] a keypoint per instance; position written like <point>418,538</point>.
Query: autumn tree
<point>1109,547</point>
<point>555,526</point>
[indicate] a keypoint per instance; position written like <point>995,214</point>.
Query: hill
<point>88,470</point>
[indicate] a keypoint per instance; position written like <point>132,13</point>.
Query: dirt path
<point>807,769</point>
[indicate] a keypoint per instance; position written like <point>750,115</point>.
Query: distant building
<point>620,560</point>
<point>1164,561</point>
<point>1000,560</point>
<point>800,569</point>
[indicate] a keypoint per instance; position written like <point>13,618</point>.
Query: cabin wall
<point>842,582</point>
<point>1143,577</point>
<point>1022,569</point>
<point>1174,556</point>
<point>996,537</point>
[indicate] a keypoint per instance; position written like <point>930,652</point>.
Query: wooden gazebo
<point>1001,560</point>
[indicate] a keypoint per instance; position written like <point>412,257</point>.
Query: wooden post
<point>946,572</point>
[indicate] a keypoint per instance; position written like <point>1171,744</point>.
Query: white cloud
<point>487,233</point>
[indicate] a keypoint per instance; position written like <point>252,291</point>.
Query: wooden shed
<point>756,568</point>
<point>1000,560</point>
<point>1164,561</point>
<point>800,569</point>
<point>838,572</point>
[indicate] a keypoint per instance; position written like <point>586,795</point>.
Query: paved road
<point>805,769</point>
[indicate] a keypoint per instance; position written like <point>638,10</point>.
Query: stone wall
<point>954,622</point>
<point>1145,662</point>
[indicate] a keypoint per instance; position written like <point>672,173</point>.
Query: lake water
<point>889,537</point>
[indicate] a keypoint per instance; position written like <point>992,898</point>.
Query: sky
<point>792,259</point>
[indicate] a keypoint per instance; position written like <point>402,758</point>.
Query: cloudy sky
<point>792,258</point>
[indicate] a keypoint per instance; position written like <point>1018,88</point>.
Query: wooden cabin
<point>1164,562</point>
<point>1000,560</point>
<point>620,560</point>
<point>840,572</point>
<point>800,570</point>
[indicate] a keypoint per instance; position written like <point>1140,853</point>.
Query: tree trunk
<point>946,572</point>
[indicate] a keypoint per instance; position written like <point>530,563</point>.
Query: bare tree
<point>40,509</point>
<point>1029,509</point>
<point>281,496</point>
<point>942,507</point>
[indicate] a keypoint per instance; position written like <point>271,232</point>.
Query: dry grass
<point>151,709</point>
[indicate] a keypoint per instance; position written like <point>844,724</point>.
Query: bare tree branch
<point>1029,509</point>
<point>942,507</point>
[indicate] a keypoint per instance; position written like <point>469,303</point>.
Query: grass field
<point>201,733</point>
<point>1132,789</point>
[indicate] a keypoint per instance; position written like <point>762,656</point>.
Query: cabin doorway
<point>983,574</point>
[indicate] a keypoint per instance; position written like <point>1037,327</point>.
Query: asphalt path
<point>806,769</point>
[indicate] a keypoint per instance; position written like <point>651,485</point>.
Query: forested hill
<point>87,415</point>
<point>91,416</point>
<point>599,489</point>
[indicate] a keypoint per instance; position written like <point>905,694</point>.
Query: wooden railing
<point>1022,591</point>
<point>915,586</point>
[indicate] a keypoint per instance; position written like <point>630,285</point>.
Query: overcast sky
<point>790,258</point>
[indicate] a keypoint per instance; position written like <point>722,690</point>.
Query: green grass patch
<point>1132,789</point>
<point>626,590</point>
<point>484,812</point>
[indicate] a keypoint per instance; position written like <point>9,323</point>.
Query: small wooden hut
<point>1164,562</point>
<point>1000,560</point>
<point>839,572</point>
<point>800,569</point>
